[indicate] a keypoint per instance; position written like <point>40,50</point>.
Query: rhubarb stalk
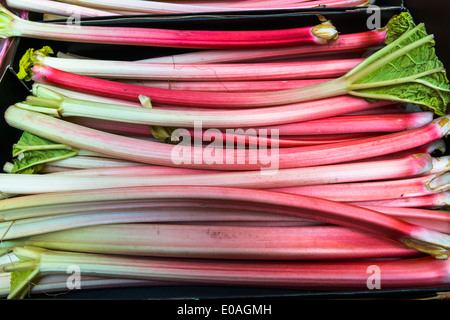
<point>201,39</point>
<point>122,70</point>
<point>216,242</point>
<point>422,239</point>
<point>163,154</point>
<point>367,79</point>
<point>286,180</point>
<point>295,275</point>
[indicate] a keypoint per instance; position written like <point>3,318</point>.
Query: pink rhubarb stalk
<point>377,190</point>
<point>208,213</point>
<point>430,218</point>
<point>355,124</point>
<point>283,178</point>
<point>217,242</point>
<point>342,214</point>
<point>162,154</point>
<point>327,130</point>
<point>245,118</point>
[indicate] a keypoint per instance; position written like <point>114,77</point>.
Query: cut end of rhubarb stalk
<point>163,134</point>
<point>6,17</point>
<point>28,60</point>
<point>439,183</point>
<point>436,251</point>
<point>440,164</point>
<point>325,31</point>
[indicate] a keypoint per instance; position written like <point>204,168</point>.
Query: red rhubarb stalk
<point>201,39</point>
<point>130,92</point>
<point>345,43</point>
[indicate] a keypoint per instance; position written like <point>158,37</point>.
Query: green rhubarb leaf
<point>398,25</point>
<point>406,70</point>
<point>34,152</point>
<point>21,283</point>
<point>27,61</point>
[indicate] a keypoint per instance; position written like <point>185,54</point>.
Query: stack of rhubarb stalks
<point>299,158</point>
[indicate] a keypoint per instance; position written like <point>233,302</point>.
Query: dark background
<point>435,15</point>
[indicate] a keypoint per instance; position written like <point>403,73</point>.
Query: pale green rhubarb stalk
<point>405,70</point>
<point>343,275</point>
<point>287,180</point>
<point>61,106</point>
<point>56,284</point>
<point>219,242</point>
<point>57,8</point>
<point>323,210</point>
